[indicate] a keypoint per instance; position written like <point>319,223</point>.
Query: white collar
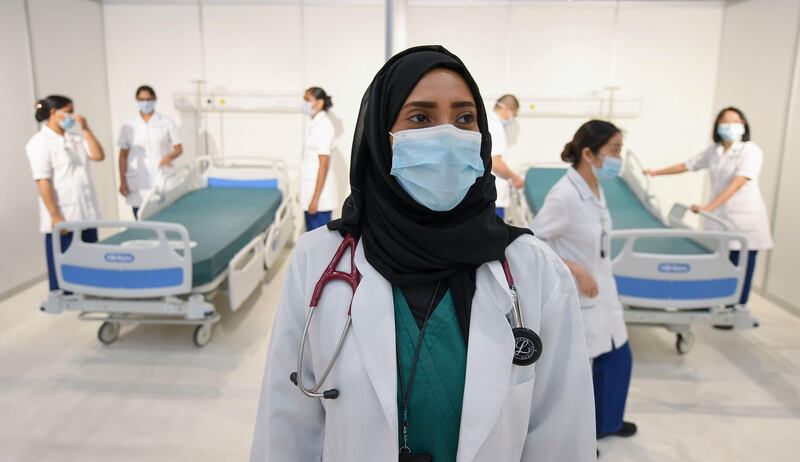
<point>318,116</point>
<point>50,133</point>
<point>153,118</point>
<point>580,184</point>
<point>735,147</point>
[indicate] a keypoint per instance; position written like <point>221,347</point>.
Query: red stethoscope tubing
<point>521,334</point>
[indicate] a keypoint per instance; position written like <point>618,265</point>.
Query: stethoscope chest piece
<point>527,346</point>
<point>527,343</point>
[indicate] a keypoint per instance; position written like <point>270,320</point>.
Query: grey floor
<point>153,396</point>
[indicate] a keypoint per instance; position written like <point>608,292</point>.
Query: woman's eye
<point>419,118</point>
<point>466,118</point>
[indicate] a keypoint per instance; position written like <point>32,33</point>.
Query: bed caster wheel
<point>202,335</point>
<point>684,342</point>
<point>108,332</point>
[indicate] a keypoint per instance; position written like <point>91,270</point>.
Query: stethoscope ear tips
<point>293,378</point>
<point>330,394</point>
<point>527,346</point>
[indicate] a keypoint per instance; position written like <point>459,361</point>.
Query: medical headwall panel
<point>22,247</point>
<point>69,58</point>
<point>555,53</point>
<point>155,44</point>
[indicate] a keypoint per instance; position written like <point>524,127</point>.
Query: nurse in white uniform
<point>318,192</point>
<point>148,144</point>
<point>59,161</point>
<point>734,164</point>
<point>503,115</point>
<point>425,373</point>
<point>576,223</point>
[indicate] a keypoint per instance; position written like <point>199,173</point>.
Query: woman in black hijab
<point>426,371</point>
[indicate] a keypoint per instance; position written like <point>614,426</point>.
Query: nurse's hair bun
<point>44,106</point>
<point>319,93</point>
<point>594,134</point>
<point>42,110</point>
<point>569,153</point>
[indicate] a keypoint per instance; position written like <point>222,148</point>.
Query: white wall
<point>756,63</point>
<point>69,59</point>
<point>781,274</point>
<point>663,52</point>
<point>255,47</point>
<point>22,247</point>
<point>64,55</point>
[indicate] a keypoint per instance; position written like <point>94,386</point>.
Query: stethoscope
<point>527,344</point>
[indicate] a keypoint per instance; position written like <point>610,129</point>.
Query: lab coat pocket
<point>587,302</point>
<point>516,413</point>
<point>69,203</point>
<point>132,178</point>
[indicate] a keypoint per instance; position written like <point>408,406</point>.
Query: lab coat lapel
<point>373,329</point>
<point>489,356</point>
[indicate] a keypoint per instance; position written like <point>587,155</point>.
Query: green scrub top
<point>434,409</point>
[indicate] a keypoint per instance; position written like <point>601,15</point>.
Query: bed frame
<point>152,283</point>
<point>718,292</point>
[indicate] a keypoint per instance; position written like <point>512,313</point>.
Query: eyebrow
<point>432,105</point>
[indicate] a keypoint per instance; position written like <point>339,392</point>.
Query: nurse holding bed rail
<point>734,165</point>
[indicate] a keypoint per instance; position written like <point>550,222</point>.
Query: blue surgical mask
<point>507,122</point>
<point>307,108</point>
<point>147,107</point>
<point>67,122</point>
<point>730,132</point>
<point>436,166</point>
<point>610,168</point>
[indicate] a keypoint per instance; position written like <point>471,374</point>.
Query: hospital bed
<point>215,228</point>
<point>667,273</point>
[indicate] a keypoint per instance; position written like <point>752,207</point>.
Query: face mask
<point>507,122</point>
<point>436,166</point>
<point>610,168</point>
<point>67,122</point>
<point>730,132</point>
<point>147,107</point>
<point>307,109</point>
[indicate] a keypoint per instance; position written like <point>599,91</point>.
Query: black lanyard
<point>406,392</point>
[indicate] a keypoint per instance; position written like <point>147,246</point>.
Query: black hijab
<point>407,243</point>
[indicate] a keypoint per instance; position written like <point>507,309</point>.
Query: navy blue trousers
<point>748,278</point>
<point>87,235</point>
<point>316,220</point>
<point>611,374</point>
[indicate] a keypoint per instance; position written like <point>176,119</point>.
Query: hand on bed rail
<point>679,209</point>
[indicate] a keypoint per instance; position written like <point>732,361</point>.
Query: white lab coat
<point>510,413</point>
<point>318,141</point>
<point>63,160</point>
<point>147,143</point>
<point>745,209</point>
<point>499,148</point>
<point>573,221</point>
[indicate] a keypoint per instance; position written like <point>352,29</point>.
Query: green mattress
<point>627,212</point>
<point>221,221</point>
